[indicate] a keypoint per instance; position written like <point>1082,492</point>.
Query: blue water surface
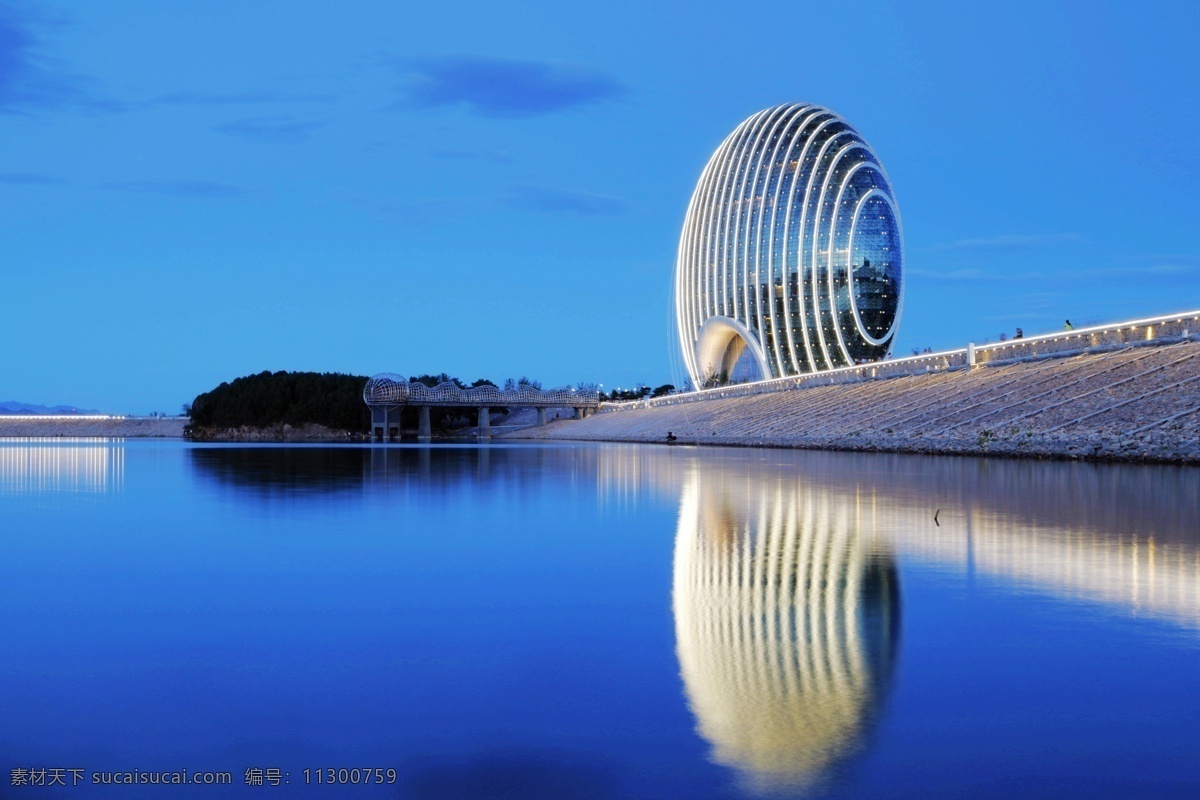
<point>594,621</point>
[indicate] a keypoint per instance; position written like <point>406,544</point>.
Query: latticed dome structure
<point>387,393</point>
<point>790,259</point>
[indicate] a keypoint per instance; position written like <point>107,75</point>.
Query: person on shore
<point>1020,334</point>
<point>671,436</point>
<point>1068,326</point>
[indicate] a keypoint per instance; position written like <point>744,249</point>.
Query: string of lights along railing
<point>391,389</point>
<point>387,394</point>
<point>1147,331</point>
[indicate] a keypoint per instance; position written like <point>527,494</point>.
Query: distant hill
<point>32,409</point>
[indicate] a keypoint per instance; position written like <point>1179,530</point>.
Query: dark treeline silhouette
<point>640,392</point>
<point>292,398</point>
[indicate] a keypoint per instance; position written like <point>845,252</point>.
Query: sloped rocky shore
<point>272,433</point>
<point>1131,404</point>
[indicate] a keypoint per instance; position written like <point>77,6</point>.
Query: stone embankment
<point>110,427</point>
<point>273,433</point>
<point>1129,404</point>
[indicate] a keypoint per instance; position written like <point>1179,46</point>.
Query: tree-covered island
<point>311,405</point>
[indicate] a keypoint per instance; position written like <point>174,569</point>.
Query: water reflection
<point>787,614</point>
<point>1137,573</point>
<point>280,469</point>
<point>534,616</point>
<point>1126,536</point>
<point>395,470</point>
<point>52,464</point>
<point>786,594</point>
<point>785,581</point>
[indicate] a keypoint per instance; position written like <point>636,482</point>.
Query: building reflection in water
<point>53,464</point>
<point>786,597</point>
<point>787,616</point>
<point>1124,536</point>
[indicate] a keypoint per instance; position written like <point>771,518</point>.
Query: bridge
<point>387,394</point>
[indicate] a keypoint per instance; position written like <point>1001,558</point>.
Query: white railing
<point>1100,337</point>
<point>388,389</point>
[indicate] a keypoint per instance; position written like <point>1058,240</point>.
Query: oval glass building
<point>791,257</point>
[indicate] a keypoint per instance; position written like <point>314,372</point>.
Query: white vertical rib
<point>706,255</point>
<point>684,282</point>
<point>803,262</point>
<point>729,264</point>
<point>793,142</point>
<point>833,217</point>
<point>799,245</point>
<point>713,235</point>
<point>753,232</point>
<point>746,196</point>
<point>717,209</point>
<point>689,268</point>
<point>816,213</point>
<point>846,181</point>
<point>708,237</point>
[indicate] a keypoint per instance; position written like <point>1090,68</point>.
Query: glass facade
<point>793,237</point>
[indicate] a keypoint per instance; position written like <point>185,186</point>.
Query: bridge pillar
<point>385,423</point>
<point>970,354</point>
<point>485,423</point>
<point>541,416</point>
<point>424,429</point>
<point>578,414</point>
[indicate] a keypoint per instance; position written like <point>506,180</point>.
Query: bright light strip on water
<point>54,464</point>
<point>18,417</point>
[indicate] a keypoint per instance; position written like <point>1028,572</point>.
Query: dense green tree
<point>294,398</point>
<point>637,393</point>
<point>433,380</point>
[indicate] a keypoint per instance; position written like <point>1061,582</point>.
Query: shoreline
<point>1132,405</point>
<point>17,427</point>
<point>925,448</point>
<point>1001,446</point>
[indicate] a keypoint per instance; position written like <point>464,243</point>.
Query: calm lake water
<point>595,621</point>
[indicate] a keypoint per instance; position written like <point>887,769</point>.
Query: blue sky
<point>190,192</point>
